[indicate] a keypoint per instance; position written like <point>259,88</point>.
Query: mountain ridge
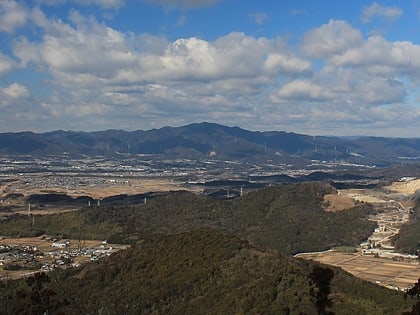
<point>204,140</point>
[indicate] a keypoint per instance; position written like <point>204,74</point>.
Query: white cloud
<point>12,96</point>
<point>380,56</point>
<point>12,15</point>
<point>106,4</point>
<point>50,2</point>
<point>260,17</point>
<point>187,4</point>
<point>103,3</point>
<point>339,45</point>
<point>89,50</point>
<point>375,9</point>
<point>283,63</point>
<point>6,64</point>
<point>16,90</point>
<point>98,77</point>
<point>88,53</point>
<point>301,90</point>
<point>331,39</point>
<point>382,92</point>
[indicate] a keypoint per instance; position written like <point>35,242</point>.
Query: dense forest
<point>408,239</point>
<point>192,254</point>
<point>199,272</point>
<point>288,218</point>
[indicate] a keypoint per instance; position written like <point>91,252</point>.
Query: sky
<point>341,68</point>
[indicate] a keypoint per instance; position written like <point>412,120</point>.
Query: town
<point>25,256</point>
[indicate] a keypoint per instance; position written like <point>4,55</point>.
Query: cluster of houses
<point>60,254</point>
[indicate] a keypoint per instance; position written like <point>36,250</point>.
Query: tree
<point>414,292</point>
<point>321,277</point>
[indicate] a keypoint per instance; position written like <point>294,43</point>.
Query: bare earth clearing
<point>333,203</point>
<point>347,198</point>
<point>405,187</point>
<point>396,201</point>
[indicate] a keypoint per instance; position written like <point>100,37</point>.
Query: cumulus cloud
<point>16,90</point>
<point>150,73</point>
<point>375,9</point>
<point>12,15</point>
<point>6,64</point>
<point>89,49</point>
<point>98,77</point>
<point>342,87</point>
<point>88,53</point>
<point>340,45</point>
<point>380,56</point>
<point>12,97</point>
<point>382,92</point>
<point>284,63</point>
<point>331,39</point>
<point>301,90</point>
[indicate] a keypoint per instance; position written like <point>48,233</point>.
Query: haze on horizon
<point>330,68</point>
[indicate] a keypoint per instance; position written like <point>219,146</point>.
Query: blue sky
<point>313,67</point>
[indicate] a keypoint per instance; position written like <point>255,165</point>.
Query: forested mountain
<point>288,218</point>
<point>408,239</point>
<point>221,142</point>
<point>192,254</point>
<point>199,272</point>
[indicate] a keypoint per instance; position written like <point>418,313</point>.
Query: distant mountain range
<point>204,140</point>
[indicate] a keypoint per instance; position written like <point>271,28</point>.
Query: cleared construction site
<point>375,259</point>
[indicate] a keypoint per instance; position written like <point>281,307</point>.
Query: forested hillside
<point>199,272</point>
<point>408,239</point>
<point>288,218</point>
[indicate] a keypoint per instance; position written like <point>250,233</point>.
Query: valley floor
<point>375,260</point>
<point>398,275</point>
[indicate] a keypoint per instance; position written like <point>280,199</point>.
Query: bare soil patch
<point>407,188</point>
<point>364,195</point>
<point>136,186</point>
<point>334,202</point>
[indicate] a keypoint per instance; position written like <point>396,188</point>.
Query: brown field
<point>407,188</point>
<point>136,186</point>
<point>347,198</point>
<point>383,271</point>
<point>114,186</point>
<point>44,244</point>
<point>333,203</point>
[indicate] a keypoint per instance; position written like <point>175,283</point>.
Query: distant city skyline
<point>318,68</point>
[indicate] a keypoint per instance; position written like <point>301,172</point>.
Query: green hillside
<point>288,218</point>
<point>199,272</point>
<point>408,239</point>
